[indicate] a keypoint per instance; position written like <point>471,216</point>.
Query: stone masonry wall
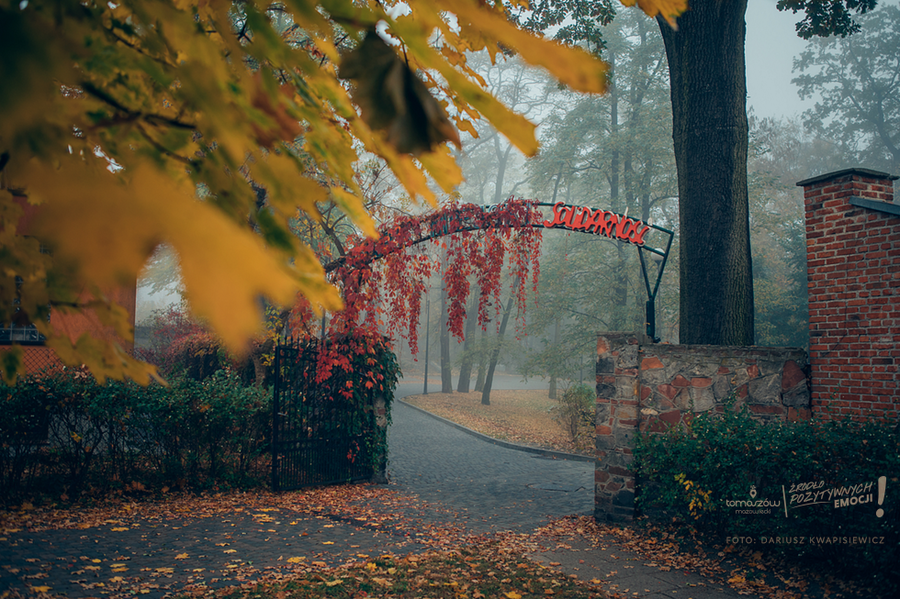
<point>853,262</point>
<point>678,381</point>
<point>616,423</point>
<point>653,387</point>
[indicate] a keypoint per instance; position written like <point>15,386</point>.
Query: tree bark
<point>495,353</point>
<point>465,369</point>
<point>482,364</point>
<point>709,90</point>
<point>446,372</point>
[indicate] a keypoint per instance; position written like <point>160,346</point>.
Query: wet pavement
<point>460,479</point>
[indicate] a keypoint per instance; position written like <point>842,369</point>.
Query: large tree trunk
<point>708,79</point>
<point>446,372</point>
<point>465,369</point>
<point>482,363</point>
<point>495,353</point>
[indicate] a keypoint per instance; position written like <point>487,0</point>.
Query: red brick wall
<point>853,261</point>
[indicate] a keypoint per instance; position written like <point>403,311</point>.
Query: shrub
<point>63,433</point>
<point>575,413</point>
<point>693,472</point>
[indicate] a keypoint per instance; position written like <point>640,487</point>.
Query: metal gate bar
<point>319,437</point>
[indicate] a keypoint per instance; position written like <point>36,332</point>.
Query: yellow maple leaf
<point>669,9</point>
<point>295,560</point>
<point>43,589</point>
<point>332,583</point>
<point>573,66</point>
<point>181,556</point>
<point>151,206</point>
<point>119,529</point>
<point>513,595</point>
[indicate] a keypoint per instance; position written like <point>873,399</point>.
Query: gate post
<point>616,424</point>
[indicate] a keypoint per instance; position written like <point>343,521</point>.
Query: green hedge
<point>65,434</point>
<point>696,474</point>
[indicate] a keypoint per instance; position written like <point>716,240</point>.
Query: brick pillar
<point>853,262</point>
<point>616,422</point>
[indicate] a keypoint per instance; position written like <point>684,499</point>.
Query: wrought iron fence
<point>320,436</point>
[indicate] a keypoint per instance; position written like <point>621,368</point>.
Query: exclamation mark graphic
<point>882,483</point>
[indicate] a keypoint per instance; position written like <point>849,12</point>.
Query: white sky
<point>772,44</point>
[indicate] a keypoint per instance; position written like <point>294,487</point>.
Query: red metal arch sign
<point>597,221</point>
<point>582,219</point>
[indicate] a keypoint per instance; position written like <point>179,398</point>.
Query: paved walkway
<point>470,483</point>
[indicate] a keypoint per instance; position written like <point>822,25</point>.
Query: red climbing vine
<point>383,280</point>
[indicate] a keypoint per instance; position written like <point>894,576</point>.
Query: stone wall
<point>853,262</point>
<point>650,388</point>
<point>678,381</point>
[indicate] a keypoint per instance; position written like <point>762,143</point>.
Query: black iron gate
<point>319,436</point>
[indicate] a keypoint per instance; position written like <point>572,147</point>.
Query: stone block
<point>740,377</point>
<point>651,363</point>
<point>602,412</point>
<point>671,417</point>
<point>605,443</point>
<point>703,398</point>
<point>680,381</point>
<point>606,390</point>
<point>683,400</point>
<point>626,388</point>
<point>791,374</point>
<point>602,345</point>
<point>721,387</point>
<point>624,498</point>
<point>668,391</point>
<point>628,357</point>
<point>619,463</point>
<point>765,390</point>
<point>654,378</point>
<point>626,413</point>
<point>767,367</point>
<point>625,436</point>
<point>798,396</point>
<point>646,392</point>
<point>606,365</point>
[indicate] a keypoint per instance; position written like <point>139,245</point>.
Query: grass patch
<point>524,417</point>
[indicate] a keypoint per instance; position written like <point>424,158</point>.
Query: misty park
<point>450,298</point>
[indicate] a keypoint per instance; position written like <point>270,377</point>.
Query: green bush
<point>64,433</point>
<point>692,473</point>
<point>575,413</point>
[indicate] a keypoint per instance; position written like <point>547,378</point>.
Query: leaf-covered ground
<point>431,556</point>
<point>441,559</point>
<point>523,417</point>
